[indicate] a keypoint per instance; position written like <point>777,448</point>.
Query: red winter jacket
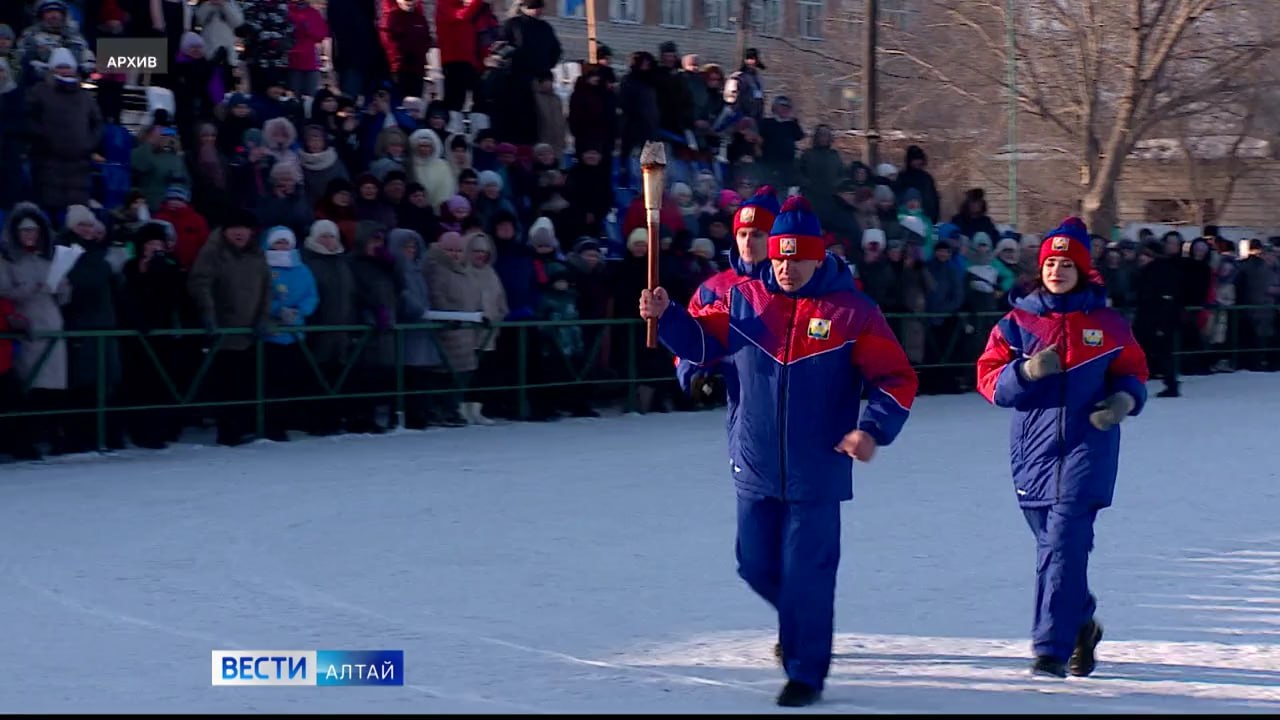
<point>309,30</point>
<point>6,346</point>
<point>405,34</point>
<point>457,31</point>
<point>192,231</point>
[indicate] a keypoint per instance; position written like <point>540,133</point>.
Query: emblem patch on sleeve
<point>1093,338</point>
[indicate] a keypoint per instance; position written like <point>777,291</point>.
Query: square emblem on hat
<point>1093,338</point>
<point>787,246</point>
<point>747,215</point>
<point>1060,244</point>
<point>819,329</point>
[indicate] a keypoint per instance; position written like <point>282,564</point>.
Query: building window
<point>575,9</point>
<point>676,13</point>
<point>626,11</point>
<point>896,13</point>
<point>766,17</point>
<point>718,14</point>
<point>811,12</point>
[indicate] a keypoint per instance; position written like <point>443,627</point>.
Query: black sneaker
<point>1047,666</point>
<point>798,694</point>
<point>1169,393</point>
<point>1083,660</point>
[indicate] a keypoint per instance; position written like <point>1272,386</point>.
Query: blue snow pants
<point>788,553</point>
<point>1064,538</point>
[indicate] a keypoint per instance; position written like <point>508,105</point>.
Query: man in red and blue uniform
<point>1070,368</point>
<point>802,342</point>
<point>748,259</point>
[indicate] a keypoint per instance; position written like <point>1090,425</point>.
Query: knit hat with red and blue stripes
<point>759,212</point>
<point>797,234</point>
<point>1069,240</point>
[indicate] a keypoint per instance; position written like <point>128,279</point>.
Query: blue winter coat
<point>801,360</point>
<point>1058,456</point>
<point>292,287</point>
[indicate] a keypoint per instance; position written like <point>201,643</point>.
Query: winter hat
<point>77,214</point>
<point>586,244</point>
<point>148,232</point>
<point>1069,240</point>
<point>29,223</point>
<point>6,32</point>
<point>322,227</point>
<point>50,5</point>
<point>703,248</point>
<point>873,236</point>
<point>505,148</point>
<point>190,40</point>
<point>240,218</point>
<point>728,198</point>
<point>915,152</point>
<point>914,224</point>
<point>458,202</point>
<point>489,177</point>
<point>1008,244</point>
<point>280,232</point>
<point>982,239</point>
<point>178,192</point>
<point>884,193</point>
<point>681,190</point>
<point>910,195</point>
<point>758,213</point>
<point>543,233</point>
<point>62,57</point>
<point>415,106</point>
<point>796,234</point>
<point>886,170</point>
<point>639,236</point>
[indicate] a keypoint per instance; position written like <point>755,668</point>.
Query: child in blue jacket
<point>1070,368</point>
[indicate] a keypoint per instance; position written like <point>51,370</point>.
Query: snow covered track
<point>588,566</point>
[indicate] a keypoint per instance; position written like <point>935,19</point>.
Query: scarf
<point>319,162</point>
<point>280,258</point>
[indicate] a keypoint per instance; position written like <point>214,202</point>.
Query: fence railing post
<point>260,375</point>
<point>400,402</point>
<point>632,367</point>
<point>101,404</point>
<point>522,372</point>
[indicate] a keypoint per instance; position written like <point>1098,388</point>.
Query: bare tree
<point>1100,75</point>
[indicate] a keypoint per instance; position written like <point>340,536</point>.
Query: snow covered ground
<point>588,566</point>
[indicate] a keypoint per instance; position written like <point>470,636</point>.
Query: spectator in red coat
<point>406,38</point>
<point>190,226</point>
<point>459,54</point>
<point>309,30</point>
<point>668,215</point>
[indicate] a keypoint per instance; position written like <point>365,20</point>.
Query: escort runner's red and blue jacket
<point>800,360</point>
<point>708,292</point>
<point>1058,456</point>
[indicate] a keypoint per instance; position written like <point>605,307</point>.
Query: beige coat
<point>493,298</point>
<point>452,286</point>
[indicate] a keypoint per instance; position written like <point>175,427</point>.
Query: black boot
<point>1048,666</point>
<point>1169,392</point>
<point>1082,660</point>
<point>798,694</point>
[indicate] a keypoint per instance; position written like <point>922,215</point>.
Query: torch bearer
<point>653,166</point>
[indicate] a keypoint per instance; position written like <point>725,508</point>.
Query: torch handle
<point>655,248</point>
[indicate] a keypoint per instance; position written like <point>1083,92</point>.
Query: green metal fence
<point>950,341</point>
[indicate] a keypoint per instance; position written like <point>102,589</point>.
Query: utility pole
<point>870,29</point>
<point>1011,49</point>
<point>744,27</point>
<point>591,31</point>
